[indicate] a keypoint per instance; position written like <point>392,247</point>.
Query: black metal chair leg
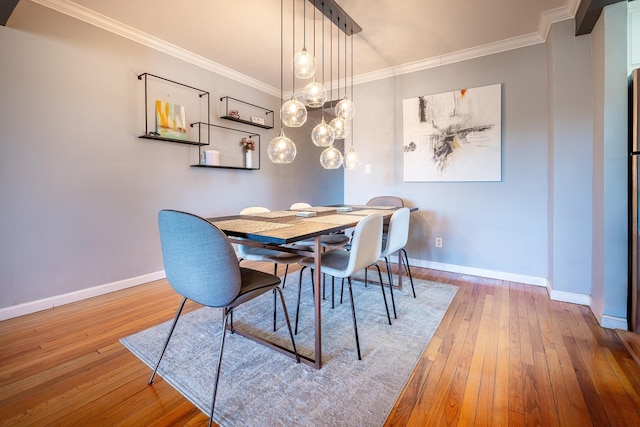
<point>333,304</point>
<point>390,275</point>
<point>355,324</point>
<point>384,296</point>
<point>286,316</point>
<point>299,292</point>
<point>215,384</point>
<point>406,258</point>
<point>341,290</point>
<point>166,343</point>
<point>275,273</point>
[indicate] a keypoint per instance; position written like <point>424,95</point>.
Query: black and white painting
<point>453,136</point>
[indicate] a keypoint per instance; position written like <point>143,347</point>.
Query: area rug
<point>259,386</point>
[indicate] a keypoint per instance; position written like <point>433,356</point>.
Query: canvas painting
<point>453,136</point>
<point>170,120</point>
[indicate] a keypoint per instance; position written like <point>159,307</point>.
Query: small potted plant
<point>248,146</point>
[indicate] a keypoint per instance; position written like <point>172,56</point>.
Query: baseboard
<point>571,297</point>
<point>491,274</point>
<point>58,300</point>
<point>612,322</point>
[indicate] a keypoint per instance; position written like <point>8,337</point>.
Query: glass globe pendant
<point>314,94</point>
<point>340,127</point>
<point>322,134</point>
<point>281,149</point>
<point>293,113</point>
<point>304,64</point>
<point>331,158</point>
<point>345,109</point>
<point>351,160</point>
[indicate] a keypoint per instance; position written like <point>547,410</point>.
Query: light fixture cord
<point>293,51</point>
<point>345,60</point>
<point>338,56</point>
<point>281,59</point>
<point>304,24</point>
<point>352,127</point>
<point>323,25</point>
<point>331,52</point>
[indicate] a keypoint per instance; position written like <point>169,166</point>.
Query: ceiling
<point>397,35</point>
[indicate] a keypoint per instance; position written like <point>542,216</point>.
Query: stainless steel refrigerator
<point>634,251</point>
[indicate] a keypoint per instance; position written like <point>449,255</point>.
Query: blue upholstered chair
<point>201,265</point>
<point>396,240</point>
<point>366,244</point>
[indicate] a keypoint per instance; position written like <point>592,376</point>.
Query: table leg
<point>317,303</point>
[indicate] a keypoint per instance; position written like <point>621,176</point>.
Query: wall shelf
<point>244,112</point>
<point>158,88</point>
<point>225,146</point>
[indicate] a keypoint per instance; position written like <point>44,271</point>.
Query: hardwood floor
<point>503,355</point>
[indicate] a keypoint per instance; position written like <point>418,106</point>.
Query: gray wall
<point>571,158</point>
<point>79,191</point>
<point>610,163</point>
<point>500,226</point>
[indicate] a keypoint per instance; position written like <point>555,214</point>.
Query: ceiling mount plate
<point>339,17</point>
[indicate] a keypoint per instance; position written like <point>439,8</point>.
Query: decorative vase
<point>248,159</point>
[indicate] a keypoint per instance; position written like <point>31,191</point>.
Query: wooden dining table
<point>276,228</point>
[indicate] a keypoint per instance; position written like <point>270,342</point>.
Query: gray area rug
<point>259,386</point>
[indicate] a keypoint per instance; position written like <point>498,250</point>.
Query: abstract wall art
<point>453,136</point>
<point>170,120</point>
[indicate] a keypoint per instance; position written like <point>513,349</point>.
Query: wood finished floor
<point>504,354</point>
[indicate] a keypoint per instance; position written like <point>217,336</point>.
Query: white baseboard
<point>571,297</point>
<point>491,274</point>
<point>58,300</point>
<point>614,322</point>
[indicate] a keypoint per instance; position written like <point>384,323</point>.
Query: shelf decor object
<point>168,117</point>
<point>244,112</point>
<point>229,148</point>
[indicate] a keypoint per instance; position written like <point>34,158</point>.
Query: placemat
<point>339,219</point>
<point>248,226</point>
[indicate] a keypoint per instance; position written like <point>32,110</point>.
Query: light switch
<point>367,169</point>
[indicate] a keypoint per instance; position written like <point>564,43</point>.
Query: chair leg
<point>166,343</point>
<point>333,304</point>
<point>406,261</point>
<point>390,275</point>
<point>384,296</point>
<point>215,383</point>
<point>299,292</point>
<point>355,324</point>
<point>275,273</point>
<point>341,290</point>
<point>286,316</point>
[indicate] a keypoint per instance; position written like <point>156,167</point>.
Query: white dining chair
<point>396,240</point>
<point>365,251</point>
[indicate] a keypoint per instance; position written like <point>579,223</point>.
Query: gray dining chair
<point>254,253</point>
<point>201,265</point>
<point>340,263</point>
<point>396,240</point>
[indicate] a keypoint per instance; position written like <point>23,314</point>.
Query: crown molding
<point>91,17</point>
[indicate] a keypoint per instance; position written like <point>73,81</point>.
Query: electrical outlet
<point>438,242</point>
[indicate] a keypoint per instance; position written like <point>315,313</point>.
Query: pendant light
<point>304,63</point>
<point>345,108</point>
<point>281,149</point>
<point>340,126</point>
<point>331,158</point>
<point>322,134</point>
<point>314,92</point>
<point>293,112</point>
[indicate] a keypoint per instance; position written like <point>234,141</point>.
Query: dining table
<point>280,230</point>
